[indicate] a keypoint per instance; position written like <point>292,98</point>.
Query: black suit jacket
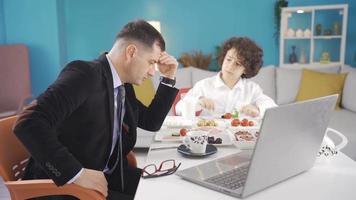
<point>71,125</point>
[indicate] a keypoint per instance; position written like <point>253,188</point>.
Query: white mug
<point>328,147</point>
<point>188,110</point>
<point>196,141</point>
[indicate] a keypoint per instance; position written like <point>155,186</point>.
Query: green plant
<point>277,17</point>
<point>196,59</point>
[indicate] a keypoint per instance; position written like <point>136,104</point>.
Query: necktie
<point>120,99</point>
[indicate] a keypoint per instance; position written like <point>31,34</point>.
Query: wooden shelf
<point>328,37</point>
<point>314,45</point>
<point>310,65</point>
<point>297,38</point>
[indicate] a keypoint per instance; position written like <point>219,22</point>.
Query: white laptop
<point>290,137</point>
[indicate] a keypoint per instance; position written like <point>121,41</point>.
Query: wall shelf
<point>325,27</point>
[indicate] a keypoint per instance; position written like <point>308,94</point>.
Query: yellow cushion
<point>317,84</point>
<point>145,92</point>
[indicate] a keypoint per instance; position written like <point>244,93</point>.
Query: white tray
<point>165,135</point>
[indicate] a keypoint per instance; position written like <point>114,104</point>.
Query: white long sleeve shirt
<point>225,99</point>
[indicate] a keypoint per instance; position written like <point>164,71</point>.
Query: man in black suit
<point>83,126</point>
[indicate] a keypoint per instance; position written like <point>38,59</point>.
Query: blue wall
<point>2,25</point>
<point>34,23</point>
<point>58,31</point>
<point>186,25</point>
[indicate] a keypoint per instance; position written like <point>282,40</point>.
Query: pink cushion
<point>15,85</point>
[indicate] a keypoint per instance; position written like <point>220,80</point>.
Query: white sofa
<point>282,85</point>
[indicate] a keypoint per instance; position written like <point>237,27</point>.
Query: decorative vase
<point>290,32</point>
<point>318,29</point>
<point>337,28</point>
<point>302,58</point>
<point>293,56</point>
<point>325,57</point>
<point>299,33</point>
<point>307,33</point>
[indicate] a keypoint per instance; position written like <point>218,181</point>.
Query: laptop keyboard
<point>232,179</point>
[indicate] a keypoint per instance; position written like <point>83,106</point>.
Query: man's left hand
<point>167,65</point>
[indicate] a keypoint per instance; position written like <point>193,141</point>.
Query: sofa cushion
<point>348,100</point>
<point>15,83</point>
<point>267,81</point>
<point>184,77</point>
<point>317,84</point>
<point>288,81</point>
<point>145,92</point>
<point>199,74</point>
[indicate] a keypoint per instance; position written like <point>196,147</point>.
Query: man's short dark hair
<point>247,51</point>
<point>143,32</point>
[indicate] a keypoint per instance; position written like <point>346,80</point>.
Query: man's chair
<point>13,160</point>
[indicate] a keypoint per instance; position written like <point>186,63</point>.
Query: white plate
<point>234,129</point>
<point>165,135</point>
<point>244,145</point>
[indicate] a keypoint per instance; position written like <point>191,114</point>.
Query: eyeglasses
<point>166,167</point>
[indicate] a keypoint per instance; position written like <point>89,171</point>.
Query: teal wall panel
<point>34,23</point>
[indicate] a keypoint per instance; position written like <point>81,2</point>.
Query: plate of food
<point>210,122</point>
<point>171,134</point>
<point>245,139</point>
<point>216,135</point>
<point>244,124</point>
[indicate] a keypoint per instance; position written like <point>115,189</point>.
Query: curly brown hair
<point>247,51</point>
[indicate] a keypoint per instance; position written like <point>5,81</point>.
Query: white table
<point>330,178</point>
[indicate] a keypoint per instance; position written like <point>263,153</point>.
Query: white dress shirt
<point>225,99</point>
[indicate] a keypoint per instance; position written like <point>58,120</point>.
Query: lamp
<point>156,25</point>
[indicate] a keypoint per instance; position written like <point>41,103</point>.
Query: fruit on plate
<point>244,122</point>
<point>227,116</point>
<point>235,122</point>
<point>235,114</point>
<point>212,140</point>
<point>183,132</point>
<point>244,136</point>
<point>206,122</point>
